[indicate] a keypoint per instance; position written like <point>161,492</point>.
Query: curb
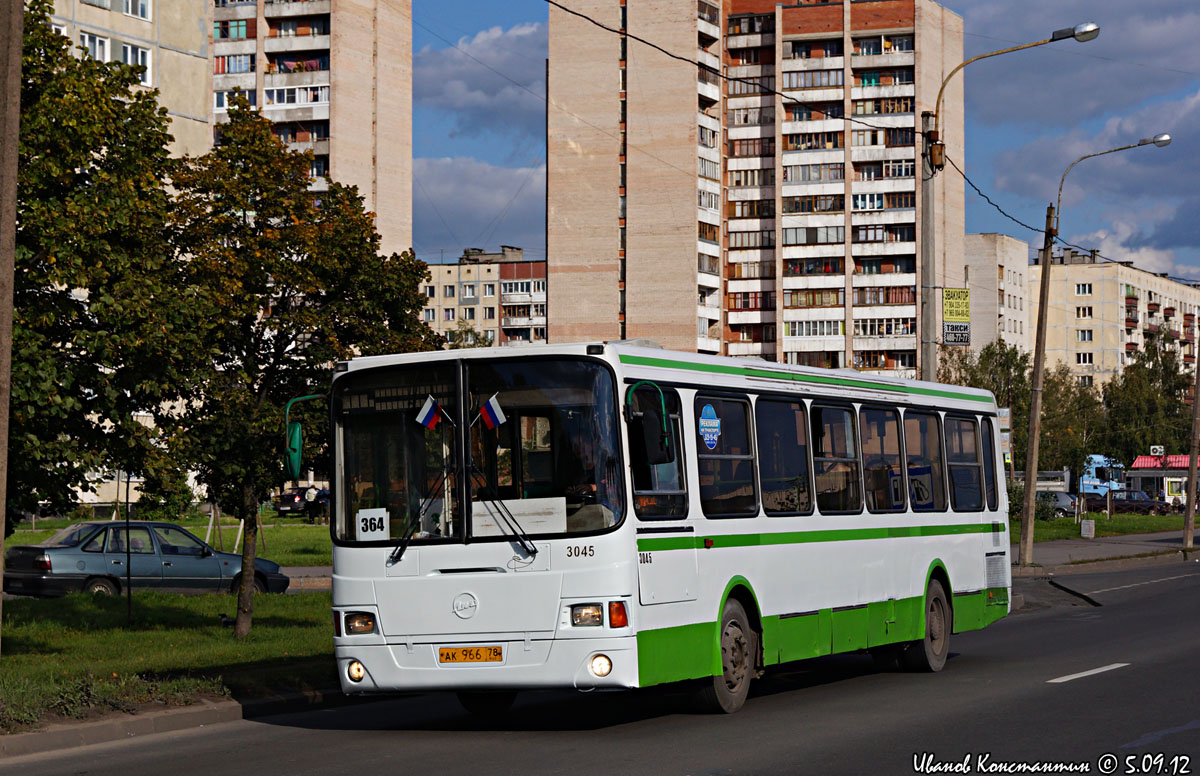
<point>69,735</point>
<point>1105,564</point>
<point>310,583</point>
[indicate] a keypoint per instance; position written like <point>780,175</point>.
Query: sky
<point>479,113</point>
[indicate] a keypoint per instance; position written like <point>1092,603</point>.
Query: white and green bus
<point>604,516</point>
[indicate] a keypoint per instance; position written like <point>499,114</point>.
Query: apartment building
<point>1100,313</point>
<point>501,296</point>
<point>169,38</point>
<point>335,77</point>
<point>701,208</point>
<point>997,272</point>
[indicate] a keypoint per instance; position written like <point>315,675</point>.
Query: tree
<point>1072,421</point>
<point>1002,369</point>
<point>91,303</point>
<point>467,336</point>
<point>285,283</point>
<point>1147,403</point>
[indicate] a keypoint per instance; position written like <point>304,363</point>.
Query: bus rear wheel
<point>929,653</point>
<point>726,692</point>
<point>487,704</point>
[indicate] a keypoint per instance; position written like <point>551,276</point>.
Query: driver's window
<point>175,541</point>
<point>659,490</point>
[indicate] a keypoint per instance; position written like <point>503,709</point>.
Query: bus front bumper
<point>546,663</point>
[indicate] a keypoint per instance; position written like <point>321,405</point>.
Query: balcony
<point>296,43</point>
<point>1131,301</point>
<point>1169,312</point>
<point>1188,358</point>
<point>1152,328</point>
<point>273,10</point>
<point>1131,323</point>
<point>1131,347</point>
<point>1189,318</point>
<point>1153,306</point>
<point>1172,333</point>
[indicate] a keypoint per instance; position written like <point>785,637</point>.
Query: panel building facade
<point>997,272</point>
<point>335,77</point>
<point>764,203</point>
<point>500,296</point>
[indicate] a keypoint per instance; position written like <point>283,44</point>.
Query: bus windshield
<point>541,440</point>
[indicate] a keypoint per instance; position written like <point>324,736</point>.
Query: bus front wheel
<point>929,653</point>
<point>726,692</point>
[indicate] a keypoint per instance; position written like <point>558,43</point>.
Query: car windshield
<point>542,438</point>
<point>71,536</point>
<point>1137,495</point>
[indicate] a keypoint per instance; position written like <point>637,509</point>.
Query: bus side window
<point>783,457</point>
<point>989,463</point>
<point>962,456</point>
<point>882,473</point>
<point>724,458</point>
<point>659,490</point>
<point>835,460</point>
<point>923,451</point>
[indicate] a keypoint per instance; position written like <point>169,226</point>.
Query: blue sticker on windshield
<point>710,426</point>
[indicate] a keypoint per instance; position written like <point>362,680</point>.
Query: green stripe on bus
<point>807,537</point>
<point>744,371</point>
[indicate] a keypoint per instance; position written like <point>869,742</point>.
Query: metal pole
<point>1025,554</point>
<point>128,553</point>
<point>928,362</point>
<point>10,120</point>
<point>1189,518</point>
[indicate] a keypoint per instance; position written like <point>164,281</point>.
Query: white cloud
<point>466,203</point>
<point>1118,242</point>
<point>493,82</point>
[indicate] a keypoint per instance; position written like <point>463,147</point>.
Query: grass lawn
<point>288,544</point>
<point>1120,525</point>
<point>74,656</point>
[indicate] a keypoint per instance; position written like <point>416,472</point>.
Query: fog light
<point>359,622</point>
<point>601,666</point>
<point>356,672</point>
<point>587,614</point>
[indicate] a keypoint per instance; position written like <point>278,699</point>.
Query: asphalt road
<point>1009,694</point>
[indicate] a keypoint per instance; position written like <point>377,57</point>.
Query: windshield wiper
<point>514,528</point>
<point>414,520</point>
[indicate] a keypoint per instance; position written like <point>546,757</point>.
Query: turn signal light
<point>617,618</point>
<point>358,623</point>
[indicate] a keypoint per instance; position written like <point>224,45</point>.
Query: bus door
<point>667,571</point>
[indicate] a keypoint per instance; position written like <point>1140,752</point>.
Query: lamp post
<point>934,158</point>
<point>1025,553</point>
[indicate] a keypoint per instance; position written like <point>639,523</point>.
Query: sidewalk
<point>1078,556</point>
<point>309,577</point>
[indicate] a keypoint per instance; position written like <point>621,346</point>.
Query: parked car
<point>1064,503</point>
<point>1127,501</point>
<point>162,556</point>
<point>290,502</point>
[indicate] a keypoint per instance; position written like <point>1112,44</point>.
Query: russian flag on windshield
<point>491,413</point>
<point>430,413</point>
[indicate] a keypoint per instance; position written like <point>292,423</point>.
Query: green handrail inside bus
<point>658,448</point>
<point>293,438</point>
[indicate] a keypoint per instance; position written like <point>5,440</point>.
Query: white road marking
<point>1082,674</point>
<point>1139,584</point>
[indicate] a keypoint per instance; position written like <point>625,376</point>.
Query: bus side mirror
<point>295,448</point>
<point>655,440</point>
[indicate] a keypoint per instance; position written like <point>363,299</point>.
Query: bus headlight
<point>356,671</point>
<point>600,666</point>
<point>359,622</point>
<point>587,614</point>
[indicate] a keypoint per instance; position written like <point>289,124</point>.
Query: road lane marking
<point>1139,584</point>
<point>1082,674</point>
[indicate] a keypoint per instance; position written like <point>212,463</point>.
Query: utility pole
<point>1189,519</point>
<point>10,125</point>
<point>929,168</point>
<point>1025,554</point>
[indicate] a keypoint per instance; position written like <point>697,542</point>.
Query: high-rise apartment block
<point>335,77</point>
<point>1101,313</point>
<point>997,272</point>
<point>763,204</point>
<point>500,296</point>
<point>169,38</point>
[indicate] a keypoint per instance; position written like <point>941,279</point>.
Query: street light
<point>1025,554</point>
<point>934,155</point>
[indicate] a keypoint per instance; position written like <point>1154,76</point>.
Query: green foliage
<point>1002,369</point>
<point>1149,396</point>
<point>1042,510</point>
<point>467,336</point>
<point>89,288</point>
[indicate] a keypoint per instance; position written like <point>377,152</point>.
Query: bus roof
<point>641,359</point>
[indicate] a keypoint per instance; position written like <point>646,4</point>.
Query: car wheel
<point>259,585</point>
<point>1060,512</point>
<point>100,586</point>
<point>930,653</point>
<point>727,691</point>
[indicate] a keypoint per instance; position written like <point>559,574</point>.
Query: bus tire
<point>726,692</point>
<point>487,704</point>
<point>929,654</point>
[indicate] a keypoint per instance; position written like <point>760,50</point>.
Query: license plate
<point>488,654</point>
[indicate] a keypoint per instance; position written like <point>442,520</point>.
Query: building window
<point>489,289</point>
<point>708,200</point>
<point>1083,289</point>
<point>821,203</point>
<point>224,100</point>
<point>868,202</point>
<point>235,63</point>
<point>816,111</point>
<point>136,56</point>
<point>762,177</point>
<point>811,79</point>
<point>319,167</point>
<point>468,313</point>
<point>744,117</point>
<point>1085,380</point>
<point>449,313</point>
<point>296,95</point>
<point>812,141</point>
<point>60,29</point>
<point>1083,312</point>
<point>763,84</point>
<point>429,315</point>
<point>814,328</point>
<point>814,235</point>
<point>448,291</point>
<point>805,173</point>
<point>468,289</point>
<point>489,313</point>
<point>750,25</point>
<point>1083,359</point>
<point>138,8</point>
<point>752,208</point>
<point>96,46</point>
<point>228,30</point>
<point>1083,335</point>
<point>899,168</point>
<point>760,239</point>
<point>707,168</point>
<point>752,147</point>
